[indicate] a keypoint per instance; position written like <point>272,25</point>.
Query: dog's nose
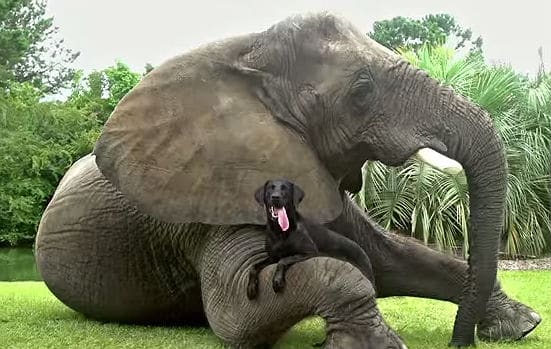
<point>276,197</point>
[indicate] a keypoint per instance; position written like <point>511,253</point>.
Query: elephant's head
<point>310,99</point>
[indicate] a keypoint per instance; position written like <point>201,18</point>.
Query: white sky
<point>152,31</point>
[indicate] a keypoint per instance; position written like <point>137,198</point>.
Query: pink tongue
<point>282,218</point>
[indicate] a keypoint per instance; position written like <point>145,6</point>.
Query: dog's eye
<point>284,187</point>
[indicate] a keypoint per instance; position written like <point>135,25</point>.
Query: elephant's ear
<point>191,145</point>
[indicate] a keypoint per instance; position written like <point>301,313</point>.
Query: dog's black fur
<point>303,240</point>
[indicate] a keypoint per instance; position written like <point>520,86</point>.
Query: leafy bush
<point>100,92</point>
<point>40,140</point>
<point>433,206</point>
<point>433,29</point>
<point>30,49</point>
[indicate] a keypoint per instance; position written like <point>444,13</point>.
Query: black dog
<point>292,238</point>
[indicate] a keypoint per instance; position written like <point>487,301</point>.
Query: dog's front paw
<point>278,282</point>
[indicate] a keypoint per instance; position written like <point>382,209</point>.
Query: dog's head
<point>281,198</point>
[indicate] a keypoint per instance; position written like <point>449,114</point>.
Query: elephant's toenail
<point>536,317</point>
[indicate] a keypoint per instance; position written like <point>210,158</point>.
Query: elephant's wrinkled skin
<point>153,227</point>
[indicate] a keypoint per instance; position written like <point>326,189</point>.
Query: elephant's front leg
<point>327,287</point>
<point>404,267</point>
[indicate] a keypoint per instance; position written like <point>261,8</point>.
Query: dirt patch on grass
<point>525,264</point>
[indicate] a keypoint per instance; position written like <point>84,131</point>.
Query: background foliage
<point>29,48</point>
<point>38,141</point>
<point>41,138</point>
<point>405,32</point>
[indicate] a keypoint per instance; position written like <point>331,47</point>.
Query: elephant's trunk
<point>470,138</point>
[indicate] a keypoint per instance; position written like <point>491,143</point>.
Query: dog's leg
<point>252,284</point>
<point>278,281</point>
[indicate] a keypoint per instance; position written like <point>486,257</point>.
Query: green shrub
<point>38,142</point>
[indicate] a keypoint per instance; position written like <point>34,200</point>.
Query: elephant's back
<point>103,258</point>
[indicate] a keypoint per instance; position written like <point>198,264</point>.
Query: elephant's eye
<point>361,91</point>
<point>363,80</point>
<point>361,88</point>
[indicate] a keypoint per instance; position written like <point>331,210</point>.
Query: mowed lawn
<point>32,318</point>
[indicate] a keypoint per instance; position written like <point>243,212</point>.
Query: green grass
<point>31,317</point>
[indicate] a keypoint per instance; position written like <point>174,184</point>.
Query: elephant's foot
<point>372,332</point>
<point>507,320</point>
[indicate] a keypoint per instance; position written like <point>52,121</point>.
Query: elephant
<point>157,225</point>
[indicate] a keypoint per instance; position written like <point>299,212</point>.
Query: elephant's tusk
<point>438,161</point>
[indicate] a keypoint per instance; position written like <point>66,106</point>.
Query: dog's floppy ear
<point>259,194</point>
<point>298,194</point>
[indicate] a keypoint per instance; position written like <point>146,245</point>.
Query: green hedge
<point>39,140</point>
<point>38,143</point>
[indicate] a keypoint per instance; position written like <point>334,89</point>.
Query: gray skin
<point>157,225</point>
